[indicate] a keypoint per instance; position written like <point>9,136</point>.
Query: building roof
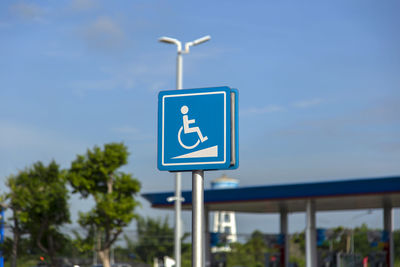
<point>367,193</point>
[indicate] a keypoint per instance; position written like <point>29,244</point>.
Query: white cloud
<point>122,78</point>
<point>262,110</point>
<point>4,25</point>
<point>131,133</point>
<point>23,144</point>
<point>83,5</point>
<point>82,87</point>
<point>278,108</point>
<point>126,130</point>
<point>18,136</point>
<point>308,103</point>
<point>104,33</point>
<point>28,11</point>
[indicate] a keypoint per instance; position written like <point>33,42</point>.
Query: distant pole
<point>178,179</point>
<point>178,175</point>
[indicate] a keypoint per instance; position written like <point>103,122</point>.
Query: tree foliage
<point>251,253</point>
<point>155,239</point>
<point>38,198</point>
<point>96,174</point>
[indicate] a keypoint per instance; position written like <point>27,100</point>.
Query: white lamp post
<point>178,196</point>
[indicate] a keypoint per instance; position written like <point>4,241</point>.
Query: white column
<point>388,226</point>
<point>311,235</point>
<point>285,232</point>
<point>216,222</point>
<point>233,236</point>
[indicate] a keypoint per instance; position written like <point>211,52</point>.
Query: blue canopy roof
<point>331,195</point>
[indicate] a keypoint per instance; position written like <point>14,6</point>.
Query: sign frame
<point>168,103</point>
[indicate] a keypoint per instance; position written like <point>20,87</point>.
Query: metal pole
<point>197,218</point>
<point>179,70</point>
<point>178,221</point>
<point>178,178</point>
<point>311,238</point>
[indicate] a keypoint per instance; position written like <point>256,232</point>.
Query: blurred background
<point>319,89</point>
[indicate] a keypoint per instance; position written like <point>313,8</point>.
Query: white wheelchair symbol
<point>187,129</point>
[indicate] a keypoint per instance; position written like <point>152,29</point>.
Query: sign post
<point>197,218</point>
<point>197,131</point>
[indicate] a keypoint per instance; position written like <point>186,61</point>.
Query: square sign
<point>195,129</point>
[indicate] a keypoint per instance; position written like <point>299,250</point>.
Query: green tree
<point>396,241</point>
<point>16,200</point>
<point>361,244</point>
<point>155,239</point>
<point>249,254</point>
<point>38,198</point>
<point>96,174</point>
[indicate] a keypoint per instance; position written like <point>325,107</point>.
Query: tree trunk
<point>16,236</point>
<point>104,255</point>
<point>53,260</point>
<point>14,253</point>
<point>51,251</point>
<point>110,184</point>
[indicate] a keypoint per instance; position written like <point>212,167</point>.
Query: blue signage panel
<point>194,129</point>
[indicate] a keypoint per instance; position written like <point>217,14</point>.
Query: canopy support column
<point>285,235</point>
<point>388,226</point>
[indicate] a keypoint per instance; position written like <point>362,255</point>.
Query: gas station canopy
<point>368,193</point>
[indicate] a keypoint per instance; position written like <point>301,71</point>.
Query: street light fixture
<point>178,176</point>
<point>170,40</point>
<point>202,40</point>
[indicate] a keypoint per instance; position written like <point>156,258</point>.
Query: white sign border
<point>162,134</point>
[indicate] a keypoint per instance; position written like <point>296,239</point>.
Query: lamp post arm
<point>187,47</point>
<point>170,40</point>
<point>196,42</point>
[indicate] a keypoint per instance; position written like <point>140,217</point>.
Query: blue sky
<point>319,87</point>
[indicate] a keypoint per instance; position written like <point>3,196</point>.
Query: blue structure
<point>1,235</point>
<point>353,194</point>
<point>333,195</point>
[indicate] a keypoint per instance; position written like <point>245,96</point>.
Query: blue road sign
<point>194,129</point>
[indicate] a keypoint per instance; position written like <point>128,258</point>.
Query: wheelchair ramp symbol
<point>203,153</point>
